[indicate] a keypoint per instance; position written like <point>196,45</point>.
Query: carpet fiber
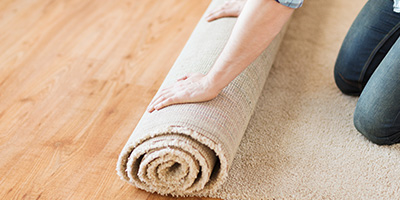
<point>300,142</point>
<point>188,149</point>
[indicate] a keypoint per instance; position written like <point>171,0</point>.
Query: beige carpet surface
<point>188,149</point>
<point>300,142</point>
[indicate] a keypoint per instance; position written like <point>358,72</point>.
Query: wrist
<point>214,83</point>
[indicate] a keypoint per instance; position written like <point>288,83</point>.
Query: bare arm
<point>258,24</point>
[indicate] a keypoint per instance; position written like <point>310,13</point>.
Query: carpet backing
<point>290,139</point>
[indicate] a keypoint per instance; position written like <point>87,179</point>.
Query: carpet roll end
<point>172,162</point>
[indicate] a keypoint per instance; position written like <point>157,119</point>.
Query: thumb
<point>182,78</point>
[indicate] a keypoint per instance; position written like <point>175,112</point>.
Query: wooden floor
<point>75,78</point>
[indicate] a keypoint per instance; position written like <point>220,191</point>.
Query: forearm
<point>256,27</point>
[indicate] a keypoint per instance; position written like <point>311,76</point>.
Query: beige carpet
<point>188,149</point>
<point>300,142</point>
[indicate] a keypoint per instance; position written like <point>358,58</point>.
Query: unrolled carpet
<point>300,142</point>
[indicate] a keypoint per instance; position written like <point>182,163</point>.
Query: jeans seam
<point>355,84</point>
<point>379,46</point>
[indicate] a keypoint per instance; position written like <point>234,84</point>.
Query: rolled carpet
<point>188,149</point>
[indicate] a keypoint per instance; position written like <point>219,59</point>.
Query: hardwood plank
<point>75,78</point>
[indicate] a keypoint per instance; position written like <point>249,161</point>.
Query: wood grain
<point>75,78</point>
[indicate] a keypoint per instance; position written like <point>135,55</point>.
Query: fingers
<point>189,76</point>
<point>166,102</point>
<point>228,9</point>
<point>185,90</point>
<point>183,78</point>
<point>219,13</point>
<point>162,101</point>
<point>164,94</point>
<point>160,96</point>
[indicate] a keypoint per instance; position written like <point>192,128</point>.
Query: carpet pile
<point>286,135</point>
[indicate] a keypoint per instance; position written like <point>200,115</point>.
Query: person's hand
<point>231,8</point>
<point>188,89</point>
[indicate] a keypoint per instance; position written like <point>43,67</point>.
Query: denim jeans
<point>368,65</point>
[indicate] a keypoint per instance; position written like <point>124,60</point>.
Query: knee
<point>372,127</point>
<point>345,80</point>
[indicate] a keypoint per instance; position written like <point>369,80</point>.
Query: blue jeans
<point>368,65</point>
